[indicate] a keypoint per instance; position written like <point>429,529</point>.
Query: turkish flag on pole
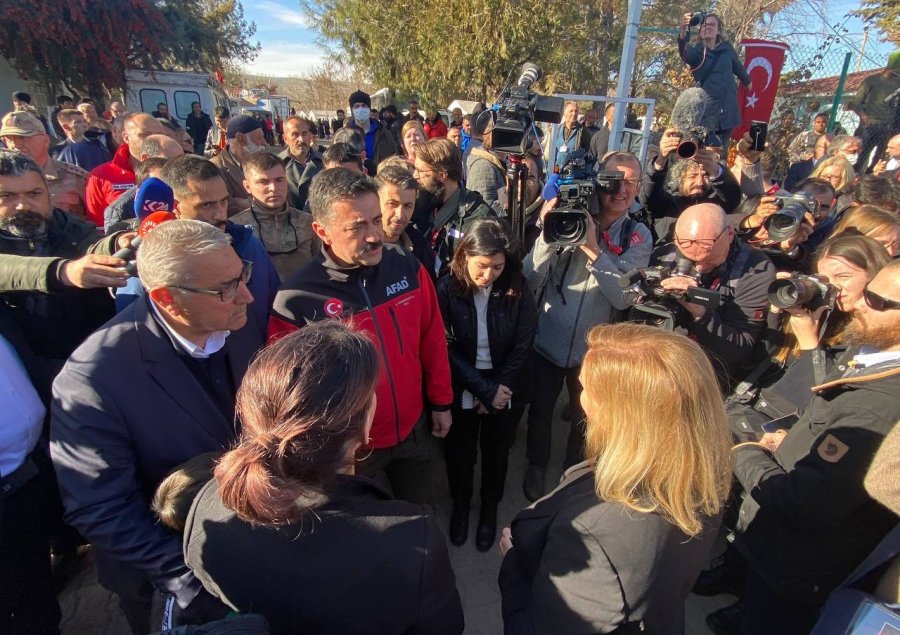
<point>764,60</point>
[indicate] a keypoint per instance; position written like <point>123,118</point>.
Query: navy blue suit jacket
<point>126,411</point>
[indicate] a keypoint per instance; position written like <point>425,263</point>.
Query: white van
<point>145,90</point>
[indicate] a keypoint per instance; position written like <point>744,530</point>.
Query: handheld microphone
<point>153,195</point>
<point>149,223</point>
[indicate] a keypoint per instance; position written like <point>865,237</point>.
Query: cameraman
<point>669,189</point>
<point>725,264</point>
<point>577,288</point>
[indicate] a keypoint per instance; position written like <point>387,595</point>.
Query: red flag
<point>219,77</point>
<point>764,60</point>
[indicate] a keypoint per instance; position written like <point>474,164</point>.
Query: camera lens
<point>791,292</point>
<point>565,227</point>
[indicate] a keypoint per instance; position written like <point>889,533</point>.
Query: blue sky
<point>288,44</point>
<point>289,47</point>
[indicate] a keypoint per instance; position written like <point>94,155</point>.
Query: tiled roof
<point>826,86</point>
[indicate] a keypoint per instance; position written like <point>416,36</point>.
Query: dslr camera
<point>655,306</point>
<point>802,291</point>
<point>791,210</point>
<point>697,18</point>
<point>568,224</point>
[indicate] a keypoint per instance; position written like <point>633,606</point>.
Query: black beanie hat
<point>359,97</point>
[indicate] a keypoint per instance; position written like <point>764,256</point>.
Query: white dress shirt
<point>21,411</point>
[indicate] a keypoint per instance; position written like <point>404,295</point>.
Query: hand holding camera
<point>679,286</point>
<point>669,143</point>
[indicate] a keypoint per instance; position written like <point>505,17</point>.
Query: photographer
<point>713,61</point>
<point>787,248</point>
<point>668,189</point>
<point>578,288</point>
<point>726,264</point>
<point>809,335</point>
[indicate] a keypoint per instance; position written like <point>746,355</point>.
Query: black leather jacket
<point>511,324</point>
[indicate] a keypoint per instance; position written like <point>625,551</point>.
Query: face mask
<point>852,158</point>
<point>361,114</point>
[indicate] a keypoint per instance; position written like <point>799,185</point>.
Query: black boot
<point>726,621</point>
<point>727,575</point>
<point>534,482</point>
<point>459,523</point>
<point>487,527</point>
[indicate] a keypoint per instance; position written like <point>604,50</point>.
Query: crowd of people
<point>233,372</point>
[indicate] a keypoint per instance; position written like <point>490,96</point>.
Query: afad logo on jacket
<point>333,307</point>
<point>397,287</point>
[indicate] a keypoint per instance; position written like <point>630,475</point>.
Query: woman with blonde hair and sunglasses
<point>620,542</point>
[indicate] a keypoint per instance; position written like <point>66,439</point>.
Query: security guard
<point>806,520</point>
<point>23,132</point>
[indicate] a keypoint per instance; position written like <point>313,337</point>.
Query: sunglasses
<point>877,303</point>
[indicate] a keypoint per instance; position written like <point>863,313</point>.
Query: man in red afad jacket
<point>384,291</point>
<point>110,180</point>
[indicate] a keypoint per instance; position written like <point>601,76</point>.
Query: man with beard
<point>301,161</point>
<point>438,169</point>
<point>397,194</point>
<point>244,137</point>
<point>806,520</point>
<point>668,189</point>
<point>201,194</point>
<point>383,290</point>
<point>285,231</point>
<point>55,272</point>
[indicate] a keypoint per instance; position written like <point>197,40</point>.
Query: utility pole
<point>626,71</point>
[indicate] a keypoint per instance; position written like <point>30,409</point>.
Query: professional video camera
<point>568,224</point>
<point>808,292</point>
<point>653,305</point>
<point>518,107</point>
<point>792,209</point>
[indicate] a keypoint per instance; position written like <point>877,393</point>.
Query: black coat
<point>511,326</point>
<point>126,411</point>
<point>361,563</point>
<point>582,565</point>
<point>806,520</point>
<point>299,177</point>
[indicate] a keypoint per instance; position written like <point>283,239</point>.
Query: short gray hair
<point>842,141</point>
<point>167,252</point>
<point>337,184</point>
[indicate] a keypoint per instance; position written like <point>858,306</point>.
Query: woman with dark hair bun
<point>490,319</point>
<point>287,529</point>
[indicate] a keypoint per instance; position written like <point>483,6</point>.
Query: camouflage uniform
<point>66,183</point>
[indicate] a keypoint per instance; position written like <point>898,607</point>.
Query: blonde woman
<point>839,172</point>
<point>624,536</point>
<point>412,136</point>
<point>874,222</point>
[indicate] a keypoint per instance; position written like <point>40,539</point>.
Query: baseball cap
<point>241,124</point>
<point>21,124</point>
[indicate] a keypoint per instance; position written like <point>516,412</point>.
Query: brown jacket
<point>287,236</point>
<point>234,179</point>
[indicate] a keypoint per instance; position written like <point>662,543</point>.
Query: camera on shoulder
<point>568,224</point>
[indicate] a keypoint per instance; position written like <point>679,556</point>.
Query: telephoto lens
<point>566,227</point>
<point>801,291</point>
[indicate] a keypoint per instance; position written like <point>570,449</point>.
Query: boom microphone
<point>150,222</point>
<point>689,108</point>
<point>154,195</point>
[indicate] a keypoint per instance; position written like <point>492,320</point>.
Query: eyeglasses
<point>700,242</point>
<point>418,171</point>
<point>876,302</point>
<point>229,290</point>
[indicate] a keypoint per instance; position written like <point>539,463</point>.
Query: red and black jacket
<point>395,303</point>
